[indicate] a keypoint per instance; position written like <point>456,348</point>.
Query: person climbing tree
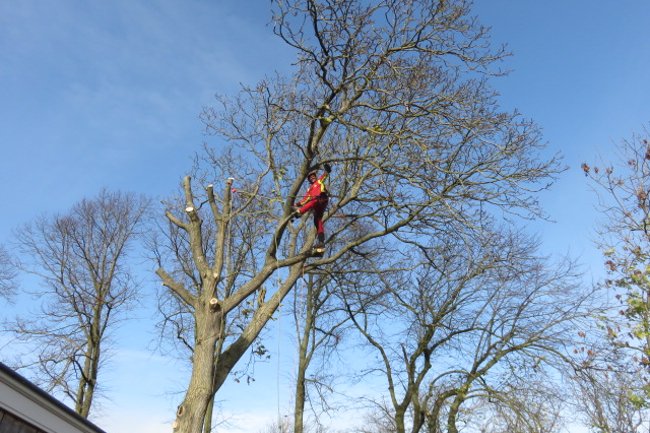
<point>315,201</point>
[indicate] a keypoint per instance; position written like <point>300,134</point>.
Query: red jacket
<point>315,190</point>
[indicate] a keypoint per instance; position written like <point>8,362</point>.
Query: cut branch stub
<point>191,212</point>
<point>215,305</point>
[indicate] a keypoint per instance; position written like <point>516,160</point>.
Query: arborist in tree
<point>315,201</point>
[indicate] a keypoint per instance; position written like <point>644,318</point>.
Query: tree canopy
<point>395,96</point>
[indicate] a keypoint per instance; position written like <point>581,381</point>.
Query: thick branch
<point>176,287</point>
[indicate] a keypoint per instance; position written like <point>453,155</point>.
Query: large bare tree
<point>394,95</point>
<point>81,257</point>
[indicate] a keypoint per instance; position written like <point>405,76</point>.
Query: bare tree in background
<point>8,274</point>
<point>483,320</point>
<point>321,323</point>
<point>81,258</point>
<point>393,95</point>
<point>610,400</point>
<point>535,408</point>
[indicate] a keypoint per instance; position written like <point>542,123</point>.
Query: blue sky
<point>107,94</point>
<point>580,70</point>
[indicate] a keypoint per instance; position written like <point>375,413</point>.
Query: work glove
<point>328,168</point>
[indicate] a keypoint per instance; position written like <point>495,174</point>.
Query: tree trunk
<point>303,363</point>
<point>207,424</point>
<point>299,407</point>
<point>84,391</point>
<point>206,379</point>
<point>306,348</point>
<point>86,387</point>
<point>399,420</point>
<point>191,413</point>
<point>454,408</point>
